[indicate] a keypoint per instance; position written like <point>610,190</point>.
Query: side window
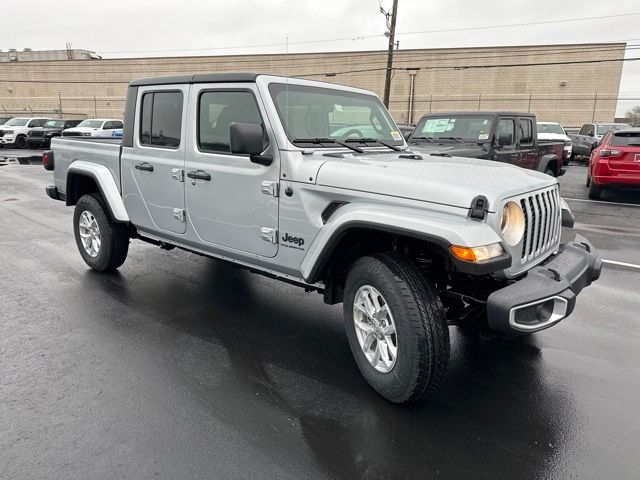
<point>161,119</point>
<point>117,124</point>
<point>584,130</point>
<point>525,131</point>
<point>506,131</point>
<point>217,110</point>
<point>35,123</point>
<point>107,126</point>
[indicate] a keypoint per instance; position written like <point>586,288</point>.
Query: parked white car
<point>96,127</point>
<point>15,130</point>
<point>555,131</point>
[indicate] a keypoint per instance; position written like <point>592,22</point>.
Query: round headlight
<point>512,223</point>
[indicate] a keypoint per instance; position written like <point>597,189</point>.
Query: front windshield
<point>607,127</point>
<point>90,123</point>
<point>309,113</point>
<point>470,127</point>
<point>54,124</point>
<point>550,128</point>
<point>17,122</point>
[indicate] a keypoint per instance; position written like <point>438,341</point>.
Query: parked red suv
<point>615,162</point>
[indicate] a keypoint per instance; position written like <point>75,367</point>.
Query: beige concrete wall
<point>565,93</point>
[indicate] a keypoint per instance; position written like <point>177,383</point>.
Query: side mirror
<point>248,139</point>
<point>505,139</point>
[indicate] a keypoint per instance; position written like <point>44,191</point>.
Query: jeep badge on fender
<point>384,231</point>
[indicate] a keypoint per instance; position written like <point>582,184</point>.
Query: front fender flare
<point>106,183</point>
<point>437,227</point>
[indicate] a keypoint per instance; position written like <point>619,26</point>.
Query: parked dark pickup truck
<point>41,137</point>
<point>508,137</point>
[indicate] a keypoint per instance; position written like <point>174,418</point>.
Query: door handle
<point>144,166</point>
<point>199,175</point>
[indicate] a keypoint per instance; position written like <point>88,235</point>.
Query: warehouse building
<point>571,84</point>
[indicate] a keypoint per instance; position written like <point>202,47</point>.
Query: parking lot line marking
<point>622,264</point>
<point>601,201</point>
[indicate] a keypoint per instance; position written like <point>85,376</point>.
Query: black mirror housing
<point>246,138</point>
<point>505,139</point>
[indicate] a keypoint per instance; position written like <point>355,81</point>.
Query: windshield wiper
<point>374,140</point>
<point>320,141</point>
<point>451,138</point>
<point>422,138</point>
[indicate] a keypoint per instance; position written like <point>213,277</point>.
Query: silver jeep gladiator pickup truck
<point>312,183</point>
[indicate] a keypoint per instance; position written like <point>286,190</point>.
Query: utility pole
<point>391,25</point>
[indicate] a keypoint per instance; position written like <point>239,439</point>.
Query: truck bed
<point>66,150</point>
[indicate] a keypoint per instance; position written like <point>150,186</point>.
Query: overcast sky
<point>132,26</point>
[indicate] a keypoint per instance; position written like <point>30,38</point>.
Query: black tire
<point>550,171</point>
<point>114,236</point>
<point>595,192</point>
<point>588,182</point>
<point>21,142</point>
<point>421,327</point>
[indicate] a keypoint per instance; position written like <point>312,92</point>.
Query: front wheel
<point>21,141</point>
<point>102,242</point>
<point>396,327</point>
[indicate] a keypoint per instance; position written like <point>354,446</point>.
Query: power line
<point>367,36</point>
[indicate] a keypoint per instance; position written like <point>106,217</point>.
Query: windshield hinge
<point>269,234</point>
<point>270,188</point>
<point>479,208</point>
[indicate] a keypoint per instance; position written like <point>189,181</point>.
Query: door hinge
<point>178,174</point>
<point>179,214</point>
<point>269,234</point>
<point>270,188</point>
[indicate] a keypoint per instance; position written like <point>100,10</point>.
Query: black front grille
<point>36,133</point>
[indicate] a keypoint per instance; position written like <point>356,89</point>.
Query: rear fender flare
<point>549,159</point>
<point>440,228</point>
<point>106,184</point>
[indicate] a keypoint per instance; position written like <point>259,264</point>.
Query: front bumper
<point>7,140</point>
<point>547,294</point>
<point>38,141</point>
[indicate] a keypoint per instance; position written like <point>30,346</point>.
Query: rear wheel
<point>102,242</point>
<point>550,171</point>
<point>595,192</point>
<point>21,141</point>
<point>396,327</point>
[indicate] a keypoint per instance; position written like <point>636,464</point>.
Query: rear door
<point>152,171</point>
<point>628,160</point>
<point>526,146</point>
<point>231,202</point>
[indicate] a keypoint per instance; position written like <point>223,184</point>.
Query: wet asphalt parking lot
<point>178,366</point>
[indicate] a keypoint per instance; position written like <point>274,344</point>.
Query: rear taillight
<point>47,160</point>
<point>610,153</point>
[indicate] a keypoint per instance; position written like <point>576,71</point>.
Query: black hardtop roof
<point>480,112</point>
<point>233,77</point>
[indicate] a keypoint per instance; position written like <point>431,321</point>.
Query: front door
<point>152,170</point>
<point>507,152</point>
<point>231,202</point>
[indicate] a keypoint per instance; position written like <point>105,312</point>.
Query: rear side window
<point>217,111</point>
<point>585,130</point>
<point>161,119</point>
<point>625,139</point>
<point>525,131</point>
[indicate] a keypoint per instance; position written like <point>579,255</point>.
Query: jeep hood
<point>453,181</point>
